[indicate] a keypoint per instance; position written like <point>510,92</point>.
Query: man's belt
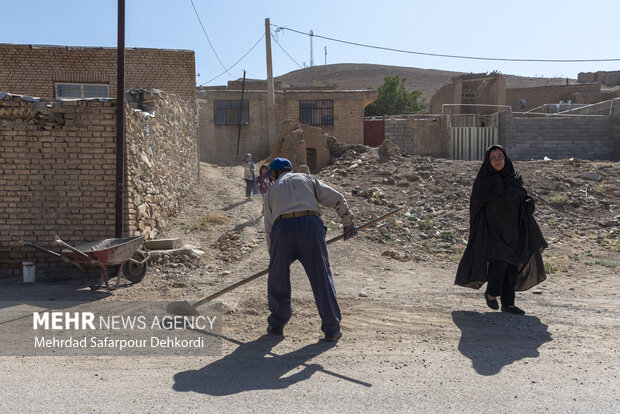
<point>295,214</point>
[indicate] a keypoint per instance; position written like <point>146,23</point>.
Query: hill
<point>363,76</point>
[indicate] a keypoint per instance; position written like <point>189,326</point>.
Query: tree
<point>393,99</point>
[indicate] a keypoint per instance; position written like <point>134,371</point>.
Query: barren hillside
<point>362,76</point>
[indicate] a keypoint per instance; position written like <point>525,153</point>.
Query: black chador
<point>501,228</point>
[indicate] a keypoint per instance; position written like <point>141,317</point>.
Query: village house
<point>339,113</point>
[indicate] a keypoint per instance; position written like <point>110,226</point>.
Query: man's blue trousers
<point>303,239</point>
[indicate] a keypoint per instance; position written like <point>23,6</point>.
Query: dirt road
<point>413,342</point>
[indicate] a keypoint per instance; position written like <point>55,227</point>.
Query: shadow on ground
<point>252,366</point>
<point>237,204</point>
<point>249,223</point>
<point>494,340</point>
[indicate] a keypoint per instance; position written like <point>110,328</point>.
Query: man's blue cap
<point>280,164</point>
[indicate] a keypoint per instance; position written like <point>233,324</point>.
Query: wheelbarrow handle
<point>53,253</point>
<point>73,249</point>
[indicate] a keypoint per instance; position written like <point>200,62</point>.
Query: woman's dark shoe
<point>513,309</point>
<point>275,331</point>
<point>491,303</point>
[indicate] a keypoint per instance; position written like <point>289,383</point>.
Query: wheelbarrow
<point>120,253</point>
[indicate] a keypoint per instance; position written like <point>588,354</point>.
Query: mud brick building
<point>51,72</point>
<point>338,112</point>
<point>490,89</point>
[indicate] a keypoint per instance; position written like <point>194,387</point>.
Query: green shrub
<point>550,268</point>
<point>559,199</point>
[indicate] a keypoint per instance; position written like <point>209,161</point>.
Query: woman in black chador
<point>505,242</point>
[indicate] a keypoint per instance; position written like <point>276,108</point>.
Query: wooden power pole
<point>271,99</point>
<point>120,120</point>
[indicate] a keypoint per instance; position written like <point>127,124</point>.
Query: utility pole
<point>240,115</point>
<point>311,49</point>
<point>326,55</point>
<point>271,99</point>
<point>120,119</point>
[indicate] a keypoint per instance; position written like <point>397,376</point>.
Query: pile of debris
<point>435,194</point>
<point>233,246</point>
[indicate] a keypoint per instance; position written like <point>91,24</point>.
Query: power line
<point>207,36</point>
<point>274,37</point>
<point>234,64</point>
<point>446,56</point>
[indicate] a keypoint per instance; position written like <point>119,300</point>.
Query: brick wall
<point>218,143</point>
<point>32,70</point>
<point>58,170</point>
<point>590,138</point>
<point>419,134</point>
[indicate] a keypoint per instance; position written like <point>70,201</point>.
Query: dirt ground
<point>413,342</point>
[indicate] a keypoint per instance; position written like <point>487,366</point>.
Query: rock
<point>592,176</point>
<point>387,150</point>
<point>363,294</point>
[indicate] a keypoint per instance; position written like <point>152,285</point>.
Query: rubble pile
<point>233,246</point>
<point>295,141</point>
<point>435,194</point>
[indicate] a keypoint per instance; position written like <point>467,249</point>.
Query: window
<point>523,104</point>
<point>316,112</point>
<point>81,90</point>
<point>227,112</point>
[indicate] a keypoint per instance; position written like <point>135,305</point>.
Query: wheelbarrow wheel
<point>135,272</point>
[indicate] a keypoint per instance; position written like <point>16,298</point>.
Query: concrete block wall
<point>557,137</point>
<point>399,131</point>
<point>420,135</point>
<point>58,171</point>
<point>32,70</point>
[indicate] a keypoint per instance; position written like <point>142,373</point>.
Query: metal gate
<point>374,132</point>
<point>470,143</point>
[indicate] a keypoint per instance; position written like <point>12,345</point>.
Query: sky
<point>543,29</point>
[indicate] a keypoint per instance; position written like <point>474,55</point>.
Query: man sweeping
<point>294,231</point>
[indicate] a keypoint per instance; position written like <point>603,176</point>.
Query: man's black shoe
<point>513,309</point>
<point>491,303</point>
<point>334,338</point>
<point>275,331</point>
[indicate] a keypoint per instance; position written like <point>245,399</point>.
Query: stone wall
<point>58,170</point>
<point>218,143</point>
<point>34,69</point>
<point>162,147</point>
<point>419,134</point>
<point>590,138</point>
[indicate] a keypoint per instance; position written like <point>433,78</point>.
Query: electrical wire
<point>208,40</point>
<point>443,55</point>
<point>274,37</point>
<point>234,64</point>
